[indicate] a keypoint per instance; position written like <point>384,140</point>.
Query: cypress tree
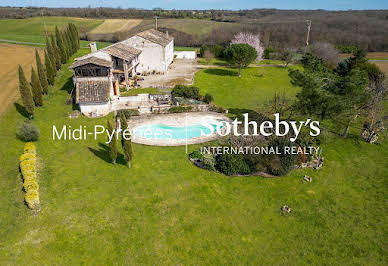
<point>49,69</point>
<point>25,93</point>
<point>56,53</point>
<point>50,54</point>
<point>61,47</point>
<point>41,73</point>
<point>126,143</point>
<point>36,88</point>
<point>67,44</point>
<point>112,144</point>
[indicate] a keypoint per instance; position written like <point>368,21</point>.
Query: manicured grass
<point>271,62</point>
<point>214,61</point>
<point>33,29</point>
<point>256,86</point>
<point>166,211</point>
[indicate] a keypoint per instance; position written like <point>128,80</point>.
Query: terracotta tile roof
<point>91,60</point>
<point>155,37</point>
<point>92,91</point>
<point>122,51</point>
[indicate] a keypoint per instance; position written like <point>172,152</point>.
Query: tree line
<point>60,45</point>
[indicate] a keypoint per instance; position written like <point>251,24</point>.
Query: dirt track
<point>11,55</point>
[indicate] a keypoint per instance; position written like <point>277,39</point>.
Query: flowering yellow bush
<point>27,156</point>
<point>30,185</point>
<point>30,148</point>
<point>32,199</point>
<point>27,162</point>
<point>28,170</point>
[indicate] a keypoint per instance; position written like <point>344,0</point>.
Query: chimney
<point>167,34</point>
<point>93,47</point>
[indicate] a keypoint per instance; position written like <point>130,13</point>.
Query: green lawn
<point>255,87</point>
<point>166,211</point>
<point>33,29</point>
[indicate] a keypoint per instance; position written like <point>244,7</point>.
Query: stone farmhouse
<point>99,75</point>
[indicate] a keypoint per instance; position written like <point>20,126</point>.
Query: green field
<point>33,29</point>
<point>164,210</point>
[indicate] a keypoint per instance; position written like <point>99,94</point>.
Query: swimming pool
<point>160,131</point>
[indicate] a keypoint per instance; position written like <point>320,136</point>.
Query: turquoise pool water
<point>160,131</point>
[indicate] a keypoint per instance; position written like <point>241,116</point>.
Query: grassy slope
<point>33,29</point>
<point>165,210</point>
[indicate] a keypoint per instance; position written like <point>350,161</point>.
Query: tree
<point>326,51</point>
<point>287,55</point>
<point>208,56</point>
<point>202,50</point>
<point>126,143</point>
<point>25,93</point>
<point>251,39</point>
<point>41,73</point>
<point>56,57</point>
<point>51,54</point>
<point>49,69</point>
<point>36,88</point>
<point>61,46</point>
<point>112,144</point>
<point>241,55</point>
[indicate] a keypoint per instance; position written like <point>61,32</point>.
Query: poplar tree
<point>49,69</point>
<point>126,143</point>
<point>56,54</point>
<point>36,88</point>
<point>113,143</point>
<point>60,44</point>
<point>25,93</point>
<point>41,73</point>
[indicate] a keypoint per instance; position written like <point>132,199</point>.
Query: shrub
<point>283,163</point>
<point>30,148</point>
<point>27,132</point>
<point>27,162</point>
<point>29,176</point>
<point>32,199</point>
<point>203,49</point>
<point>267,52</point>
<point>208,162</point>
<point>231,164</point>
<point>208,98</point>
<point>129,112</point>
<point>27,156</point>
<point>28,169</point>
<point>180,109</point>
<point>186,92</point>
<point>196,155</point>
<point>30,185</point>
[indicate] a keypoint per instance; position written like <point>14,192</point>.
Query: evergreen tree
<point>36,88</point>
<point>126,143</point>
<point>25,93</point>
<point>50,54</point>
<point>60,44</point>
<point>66,43</point>
<point>56,53</point>
<point>113,144</point>
<point>49,69</point>
<point>41,73</point>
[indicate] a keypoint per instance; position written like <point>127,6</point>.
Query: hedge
<point>28,170</point>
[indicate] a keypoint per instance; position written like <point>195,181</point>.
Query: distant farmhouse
<point>98,75</point>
